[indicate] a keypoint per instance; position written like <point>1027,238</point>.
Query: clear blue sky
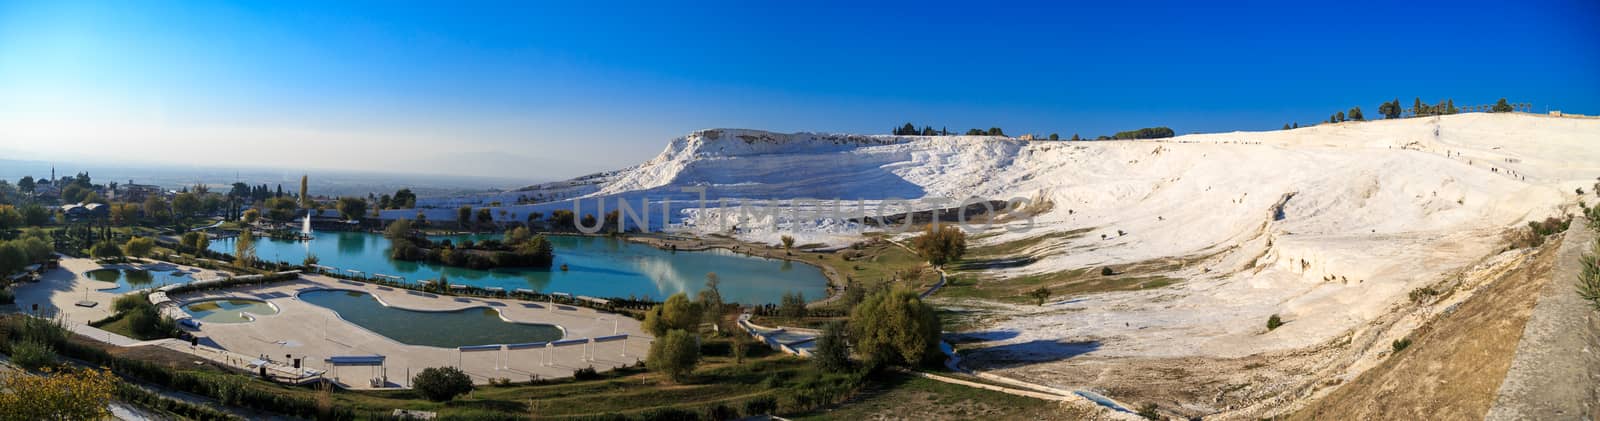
<point>543,90</point>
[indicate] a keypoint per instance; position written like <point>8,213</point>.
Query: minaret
<point>52,174</point>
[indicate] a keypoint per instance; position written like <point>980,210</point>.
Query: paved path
<point>1555,374</point>
<point>313,333</point>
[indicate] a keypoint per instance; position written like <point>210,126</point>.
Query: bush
<point>669,414</point>
<point>674,354</point>
<point>832,353</point>
<point>1400,344</point>
<point>7,297</point>
<point>1273,322</point>
<point>33,354</point>
<point>945,245</point>
<point>1106,271</point>
<point>1589,276</point>
<point>441,384</point>
<point>1145,133</point>
<point>1040,295</point>
<point>760,406</point>
<point>1422,294</point>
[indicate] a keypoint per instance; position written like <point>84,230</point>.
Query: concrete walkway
<point>314,333</point>
<point>1555,374</point>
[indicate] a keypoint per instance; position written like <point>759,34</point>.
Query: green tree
<point>105,250</point>
<point>947,244</point>
<point>9,218</point>
<point>674,354</point>
<point>1054,136</point>
<point>251,216</point>
<point>244,248</point>
<point>995,131</point>
<point>352,208</point>
<point>185,205</point>
<point>403,199</point>
<point>1075,137</point>
<point>832,353</point>
<point>1501,106</point>
<point>26,185</point>
<point>895,327</point>
<point>463,216</point>
<point>1417,108</point>
<point>793,305</point>
<point>788,242</point>
<point>305,194</point>
<point>1355,114</point>
<point>1338,117</point>
<point>485,216</point>
<point>156,209</point>
<point>675,313</point>
<point>441,384</point>
<point>139,247</point>
<point>398,229</point>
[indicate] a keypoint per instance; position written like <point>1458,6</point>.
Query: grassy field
<point>903,396</point>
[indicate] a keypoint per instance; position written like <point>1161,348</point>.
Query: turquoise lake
<point>597,267</point>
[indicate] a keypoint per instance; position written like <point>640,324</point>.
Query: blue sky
<point>550,90</point>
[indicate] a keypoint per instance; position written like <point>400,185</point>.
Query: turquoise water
<point>473,326</point>
<point>134,279</point>
<point>597,267</point>
<point>227,310</point>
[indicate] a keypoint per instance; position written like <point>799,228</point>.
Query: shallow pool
<point>444,329</point>
<point>228,310</point>
<point>126,280</point>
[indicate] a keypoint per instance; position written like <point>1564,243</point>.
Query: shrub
<point>674,354</point>
<point>1273,322</point>
<point>760,406</point>
<point>1145,133</point>
<point>1422,294</point>
<point>586,373</point>
<point>1107,271</point>
<point>669,414</point>
<point>441,384</point>
<point>1400,344</point>
<point>7,297</point>
<point>945,245</point>
<point>793,305</point>
<point>1149,411</point>
<point>1040,295</point>
<point>832,353</point>
<point>1589,275</point>
<point>33,354</point>
<point>678,312</point>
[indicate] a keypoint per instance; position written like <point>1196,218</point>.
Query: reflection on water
<point>135,279</point>
<point>597,266</point>
<point>227,310</point>
<point>475,326</point>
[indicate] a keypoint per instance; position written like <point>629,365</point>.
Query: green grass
<point>903,396</point>
<point>1013,248</point>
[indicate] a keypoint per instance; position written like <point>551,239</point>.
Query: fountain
<point>305,229</point>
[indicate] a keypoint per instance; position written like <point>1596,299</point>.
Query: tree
<point>1075,137</point>
<point>1145,133</point>
<point>1417,109</point>
<point>185,205</point>
<point>995,131</point>
<point>251,216</point>
<point>895,327</point>
<point>1054,136</point>
<point>56,395</point>
<point>26,185</point>
<point>832,353</point>
<point>440,384</point>
<point>793,305</point>
<point>1501,106</point>
<point>1355,114</point>
<point>1040,295</point>
<point>1338,117</point>
<point>947,244</point>
<point>674,354</point>
<point>196,241</point>
<point>244,248</point>
<point>485,216</point>
<point>463,216</point>
<point>305,195</point>
<point>352,208</point>
<point>156,209</point>
<point>10,218</point>
<point>710,299</point>
<point>1285,126</point>
<point>139,247</point>
<point>398,230</point>
<point>403,199</point>
<point>788,242</point>
<point>105,250</point>
<point>675,313</point>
